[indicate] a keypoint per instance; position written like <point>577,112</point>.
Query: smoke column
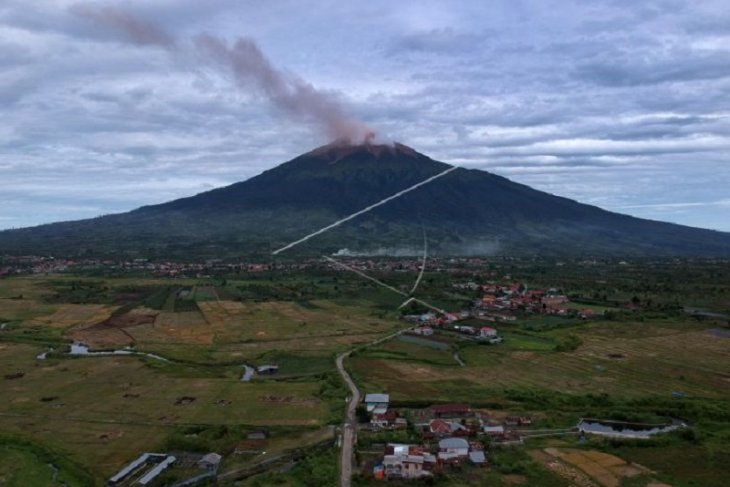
<point>248,65</point>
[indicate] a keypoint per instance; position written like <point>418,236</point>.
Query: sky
<point>620,104</point>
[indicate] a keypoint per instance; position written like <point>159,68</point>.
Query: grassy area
<point>102,411</point>
<point>23,463</point>
<point>89,416</point>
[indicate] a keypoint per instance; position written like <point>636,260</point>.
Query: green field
<point>100,412</point>
<point>88,416</point>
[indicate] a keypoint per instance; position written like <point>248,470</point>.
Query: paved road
<point>349,427</point>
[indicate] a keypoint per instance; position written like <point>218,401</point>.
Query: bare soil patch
<point>127,320</point>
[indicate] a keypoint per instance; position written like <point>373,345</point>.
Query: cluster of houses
<point>452,435</point>
<point>498,302</point>
<point>500,298</point>
<point>482,333</point>
<point>417,461</point>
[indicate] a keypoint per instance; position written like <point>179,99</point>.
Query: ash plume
<point>136,30</point>
<point>248,65</point>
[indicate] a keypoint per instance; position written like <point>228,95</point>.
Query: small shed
<point>258,434</point>
<point>211,461</point>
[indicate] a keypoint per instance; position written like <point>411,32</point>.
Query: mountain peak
<point>342,148</point>
<point>465,212</point>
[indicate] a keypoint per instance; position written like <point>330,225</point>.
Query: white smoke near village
<point>250,68</point>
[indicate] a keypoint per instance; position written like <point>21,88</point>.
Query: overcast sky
<point>620,104</point>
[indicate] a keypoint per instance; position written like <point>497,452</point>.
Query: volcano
<point>465,212</point>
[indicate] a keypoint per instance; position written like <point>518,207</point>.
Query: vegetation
<point>641,359</point>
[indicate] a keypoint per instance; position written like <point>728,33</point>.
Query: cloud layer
<point>618,104</point>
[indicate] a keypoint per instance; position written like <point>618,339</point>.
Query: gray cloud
<point>615,103</point>
<point>680,66</point>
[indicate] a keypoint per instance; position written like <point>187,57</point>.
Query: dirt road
<point>349,427</point>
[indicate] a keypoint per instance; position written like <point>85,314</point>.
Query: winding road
<point>349,427</point>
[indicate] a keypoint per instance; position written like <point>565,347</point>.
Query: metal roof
<point>450,443</point>
<point>159,468</point>
<point>377,398</point>
<point>477,457</point>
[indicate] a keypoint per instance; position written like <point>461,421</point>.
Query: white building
<point>377,403</point>
<point>453,447</point>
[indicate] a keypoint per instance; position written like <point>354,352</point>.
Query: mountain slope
<point>465,211</point>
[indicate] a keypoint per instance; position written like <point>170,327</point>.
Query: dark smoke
<point>250,69</point>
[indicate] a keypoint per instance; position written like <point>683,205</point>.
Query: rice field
<point>656,360</point>
<point>101,411</point>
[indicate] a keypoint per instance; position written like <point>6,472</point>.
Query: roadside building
<point>377,403</point>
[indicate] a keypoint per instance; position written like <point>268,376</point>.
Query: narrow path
<point>457,357</point>
<point>349,427</point>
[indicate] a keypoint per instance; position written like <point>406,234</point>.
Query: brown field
<point>607,470</point>
<point>67,316</point>
<point>235,321</point>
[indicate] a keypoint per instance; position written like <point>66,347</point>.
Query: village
<point>451,436</point>
<point>488,389</point>
<point>498,303</point>
<point>454,438</point>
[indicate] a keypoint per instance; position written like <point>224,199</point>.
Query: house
<point>248,446</point>
<point>518,420</point>
<point>494,430</point>
<point>387,419</point>
<point>439,428</point>
<point>453,447</point>
<point>487,332</point>
<point>554,301</point>
<point>586,314</point>
<point>405,466</point>
<point>427,317</point>
<point>450,410</point>
<point>377,403</point>
<point>211,461</point>
<point>451,317</point>
<point>423,330</point>
<point>258,434</point>
<point>407,461</point>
